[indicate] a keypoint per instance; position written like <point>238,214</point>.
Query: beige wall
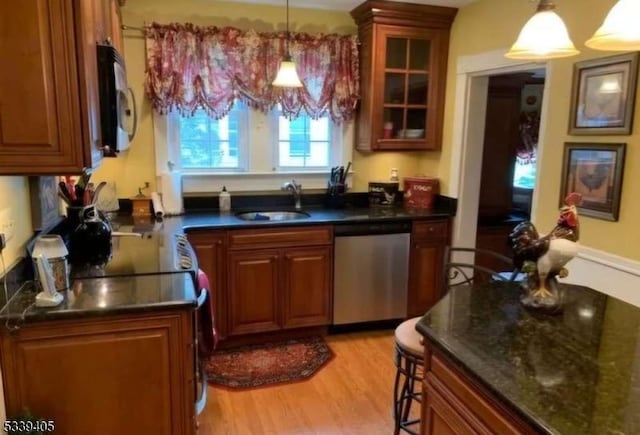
<point>136,166</point>
<point>14,194</point>
<point>494,24</point>
<point>483,26</point>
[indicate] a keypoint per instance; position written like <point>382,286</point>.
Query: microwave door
<point>122,110</point>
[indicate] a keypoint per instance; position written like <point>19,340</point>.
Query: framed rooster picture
<point>595,171</point>
<point>603,95</point>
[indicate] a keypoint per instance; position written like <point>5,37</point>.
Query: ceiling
<point>347,5</point>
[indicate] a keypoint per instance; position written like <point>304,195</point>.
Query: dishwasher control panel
<point>358,229</point>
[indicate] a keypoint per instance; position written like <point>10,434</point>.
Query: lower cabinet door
<point>210,247</point>
<point>253,291</point>
<point>425,270</point>
<point>307,283</point>
<point>439,417</point>
<point>125,376</point>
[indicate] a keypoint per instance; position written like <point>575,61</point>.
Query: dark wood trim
<point>406,14</point>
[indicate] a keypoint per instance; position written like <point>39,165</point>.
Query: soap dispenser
<point>224,200</point>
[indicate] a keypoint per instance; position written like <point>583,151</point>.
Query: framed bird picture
<point>595,171</point>
<point>603,95</point>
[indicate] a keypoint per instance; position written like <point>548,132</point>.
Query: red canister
<point>419,192</point>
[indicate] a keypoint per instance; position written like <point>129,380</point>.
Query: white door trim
<point>608,273</point>
<point>469,110</point>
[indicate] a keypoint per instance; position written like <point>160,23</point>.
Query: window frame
<point>336,147</point>
<point>260,158</point>
<point>173,127</point>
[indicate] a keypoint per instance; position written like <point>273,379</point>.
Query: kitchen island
<point>117,356</point>
<point>492,366</point>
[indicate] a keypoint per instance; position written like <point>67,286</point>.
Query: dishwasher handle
<point>365,229</point>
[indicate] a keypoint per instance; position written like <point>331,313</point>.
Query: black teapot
<point>91,240</point>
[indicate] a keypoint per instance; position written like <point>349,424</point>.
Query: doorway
<point>470,114</point>
<point>507,183</point>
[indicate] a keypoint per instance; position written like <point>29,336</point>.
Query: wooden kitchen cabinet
<point>49,107</point>
<point>426,259</point>
<point>268,279</point>
<point>81,372</point>
<point>403,67</point>
<point>109,24</point>
<point>211,250</point>
<point>440,417</point>
<point>307,285</point>
<point>115,25</point>
<point>253,291</point>
<point>456,404</point>
<point>279,278</point>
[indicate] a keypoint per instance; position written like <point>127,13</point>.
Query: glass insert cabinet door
<point>405,103</point>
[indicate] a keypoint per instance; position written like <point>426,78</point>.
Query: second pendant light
<point>544,36</point>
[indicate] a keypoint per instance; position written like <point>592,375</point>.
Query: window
<point>303,143</point>
<point>524,175</point>
<point>206,143</point>
<point>249,150</point>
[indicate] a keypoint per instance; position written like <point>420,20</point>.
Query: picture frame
<point>595,170</point>
<point>603,95</point>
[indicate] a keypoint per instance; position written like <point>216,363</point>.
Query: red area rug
<point>268,364</point>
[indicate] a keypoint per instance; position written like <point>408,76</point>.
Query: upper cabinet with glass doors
<point>403,69</point>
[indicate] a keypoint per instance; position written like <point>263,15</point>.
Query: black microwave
<point>117,102</point>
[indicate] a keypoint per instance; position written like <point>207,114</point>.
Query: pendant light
<point>544,36</point>
<point>620,30</point>
<point>287,76</point>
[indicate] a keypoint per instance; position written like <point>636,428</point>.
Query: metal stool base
<point>410,368</point>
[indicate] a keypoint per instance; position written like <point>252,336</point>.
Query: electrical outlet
<point>7,224</point>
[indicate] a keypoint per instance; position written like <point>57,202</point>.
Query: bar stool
<point>410,367</point>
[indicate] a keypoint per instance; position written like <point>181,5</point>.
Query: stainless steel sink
<point>272,215</point>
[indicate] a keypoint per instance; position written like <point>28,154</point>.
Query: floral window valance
<point>191,67</point>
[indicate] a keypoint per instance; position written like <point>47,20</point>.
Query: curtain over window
<point>191,68</point>
<point>529,127</point>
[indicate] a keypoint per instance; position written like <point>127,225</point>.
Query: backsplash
<point>15,278</point>
<point>238,202</point>
<point>14,200</point>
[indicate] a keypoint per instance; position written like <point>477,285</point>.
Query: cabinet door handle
<point>218,242</point>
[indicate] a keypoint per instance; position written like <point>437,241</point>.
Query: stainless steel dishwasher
<point>371,272</point>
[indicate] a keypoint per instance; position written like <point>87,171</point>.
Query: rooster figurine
<point>543,258</point>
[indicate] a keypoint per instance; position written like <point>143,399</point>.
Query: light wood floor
<point>352,394</point>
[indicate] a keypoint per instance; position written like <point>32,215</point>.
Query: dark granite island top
<point>105,296</point>
<point>575,373</point>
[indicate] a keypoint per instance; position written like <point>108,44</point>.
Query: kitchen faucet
<point>296,189</point>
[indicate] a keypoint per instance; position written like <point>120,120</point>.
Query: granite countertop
<point>217,220</point>
<point>317,216</point>
<point>105,296</point>
<point>123,294</point>
<point>574,373</point>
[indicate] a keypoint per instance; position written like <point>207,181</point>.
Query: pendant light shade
<point>620,30</point>
<point>544,36</point>
<point>287,76</point>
